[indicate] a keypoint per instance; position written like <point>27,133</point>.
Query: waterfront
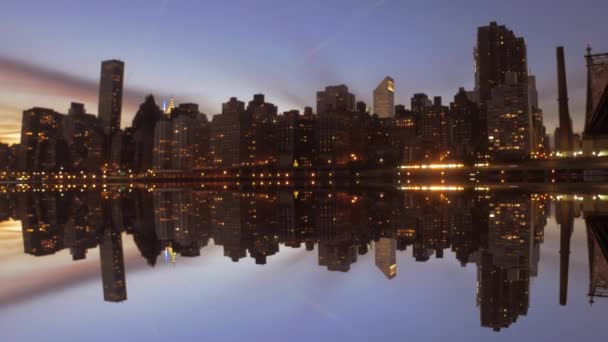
<point>302,264</point>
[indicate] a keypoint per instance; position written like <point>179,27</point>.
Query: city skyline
<point>420,57</point>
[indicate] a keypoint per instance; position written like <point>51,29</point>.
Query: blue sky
<point>208,51</point>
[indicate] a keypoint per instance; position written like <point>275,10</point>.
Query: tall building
<point>144,125</point>
<point>384,98</point>
<point>508,120</point>
<point>432,125</point>
<point>296,138</point>
<point>163,137</point>
<point>262,142</point>
<point>464,130</point>
<point>42,147</point>
<point>563,140</point>
<point>335,98</point>
<point>230,132</point>
<point>386,256</point>
<point>498,52</point>
<point>110,95</point>
<point>85,139</point>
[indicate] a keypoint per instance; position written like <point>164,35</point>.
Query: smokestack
<point>565,138</point>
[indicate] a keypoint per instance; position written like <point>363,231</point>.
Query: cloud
<point>34,79</point>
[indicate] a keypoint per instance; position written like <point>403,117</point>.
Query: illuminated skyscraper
<point>171,105</point>
<point>386,257</point>
<point>508,120</point>
<point>384,98</point>
<point>110,95</point>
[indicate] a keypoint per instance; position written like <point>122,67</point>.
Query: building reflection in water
<point>499,232</point>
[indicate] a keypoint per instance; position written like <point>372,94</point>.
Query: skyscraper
<point>508,120</point>
<point>498,51</point>
<point>110,95</point>
<point>384,98</point>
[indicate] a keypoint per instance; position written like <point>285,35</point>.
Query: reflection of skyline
<point>499,233</point>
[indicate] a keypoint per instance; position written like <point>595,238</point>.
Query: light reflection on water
<point>297,265</point>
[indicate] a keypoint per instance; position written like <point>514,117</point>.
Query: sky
<point>209,51</point>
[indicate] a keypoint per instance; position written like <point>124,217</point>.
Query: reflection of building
<point>112,266</point>
<point>386,258</point>
<point>505,263</point>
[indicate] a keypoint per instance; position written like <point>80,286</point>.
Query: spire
<point>171,105</point>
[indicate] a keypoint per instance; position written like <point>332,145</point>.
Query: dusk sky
<point>208,51</point>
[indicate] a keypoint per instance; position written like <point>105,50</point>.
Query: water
<point>151,264</point>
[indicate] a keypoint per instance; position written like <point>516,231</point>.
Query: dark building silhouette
<point>296,138</point>
<point>143,126</point>
<point>110,95</point>
<point>4,157</point>
<point>335,99</point>
<point>42,146</point>
<point>498,51</point>
<point>85,139</point>
<point>464,129</point>
<point>111,83</point>
<point>230,134</point>
<point>263,137</point>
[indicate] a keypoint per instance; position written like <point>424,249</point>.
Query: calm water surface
<point>130,264</point>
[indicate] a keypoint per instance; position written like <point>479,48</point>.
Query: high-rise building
<point>163,138</point>
<point>432,124</point>
<point>386,256</point>
<point>384,98</point>
<point>335,98</point>
<point>42,147</point>
<point>508,120</point>
<point>498,52</point>
<point>296,138</point>
<point>84,137</point>
<point>262,142</point>
<point>463,126</point>
<point>230,132</point>
<point>144,124</point>
<point>110,95</point>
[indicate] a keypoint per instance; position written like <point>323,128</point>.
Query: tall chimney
<point>565,138</point>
